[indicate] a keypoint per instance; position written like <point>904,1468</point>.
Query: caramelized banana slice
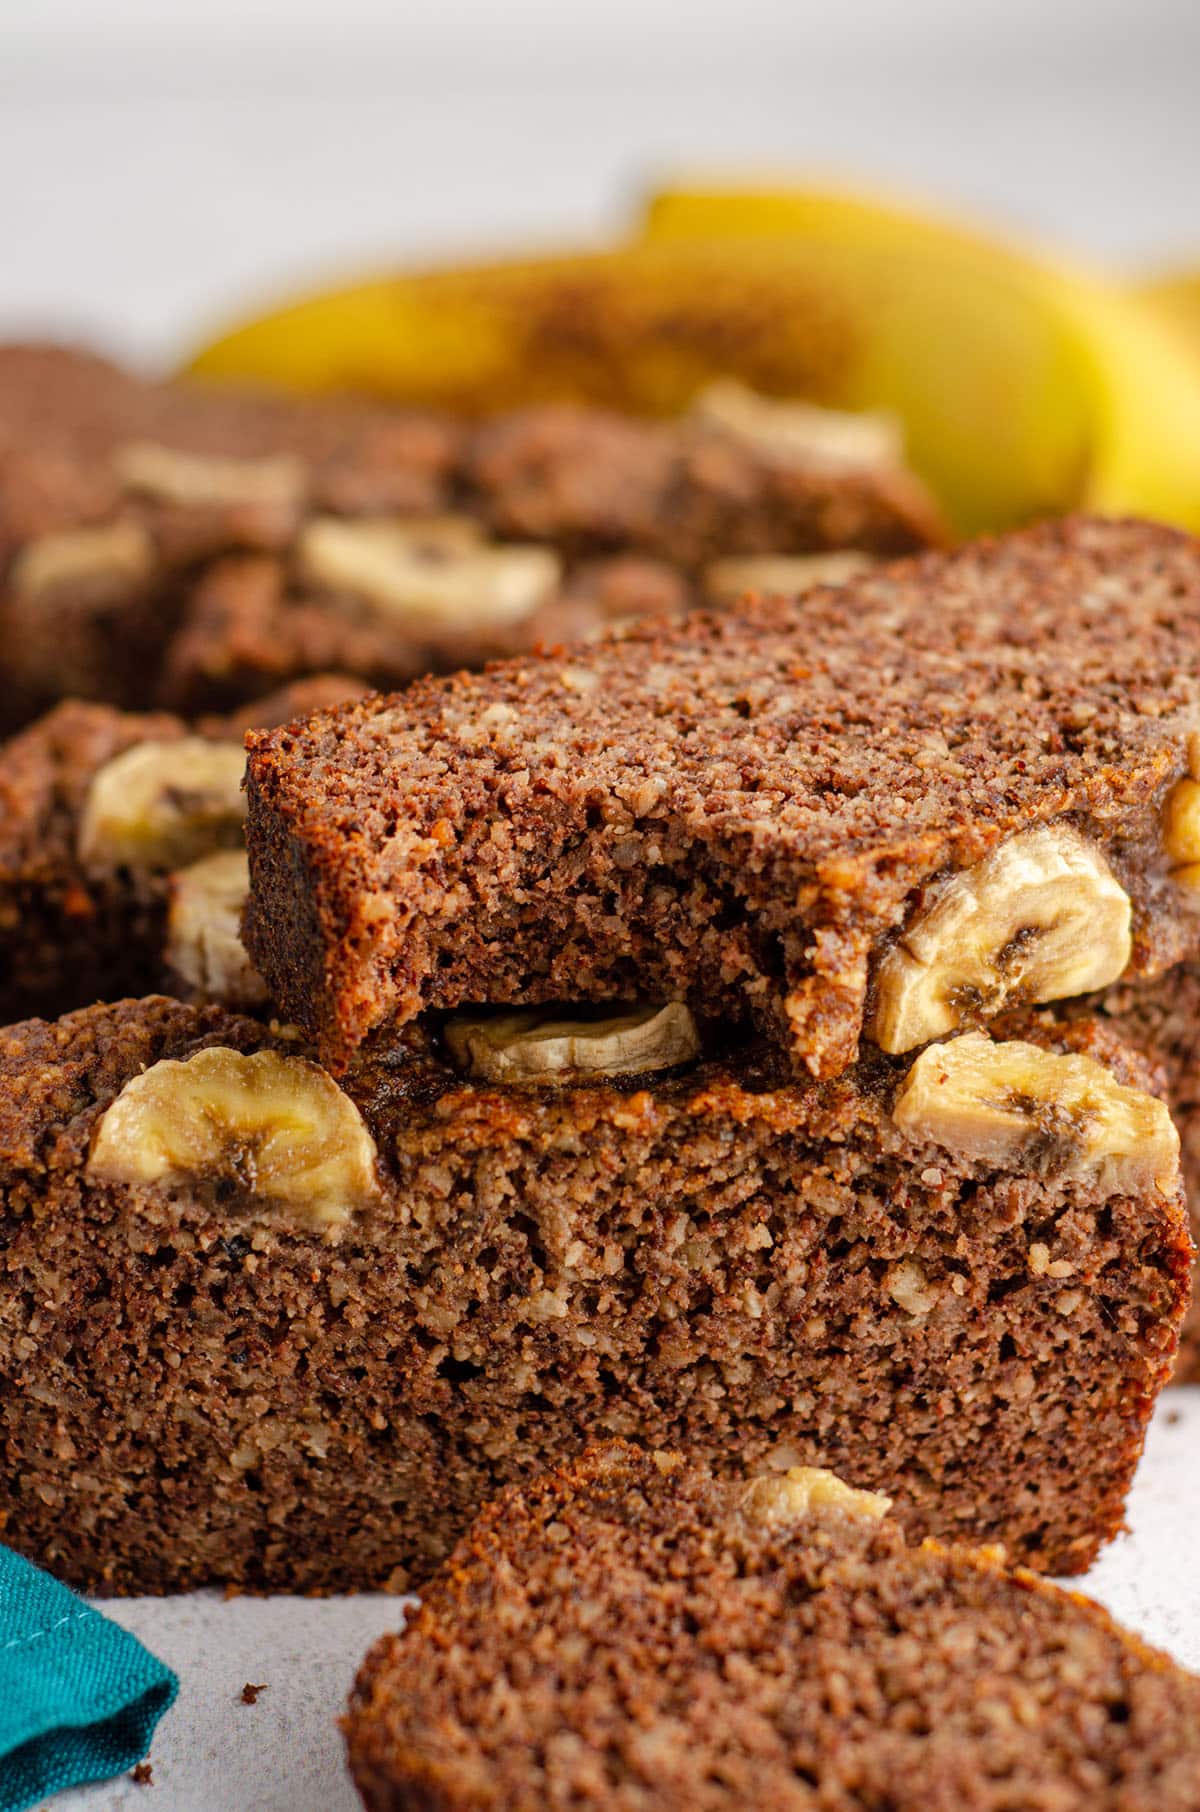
<point>781,575</point>
<point>530,1046</point>
<point>429,576</point>
<point>198,481</point>
<point>204,930</point>
<point>800,433</point>
<point>118,556</point>
<point>278,1129</point>
<point>1010,1102</point>
<point>161,805</point>
<point>1041,918</point>
<point>788,1497</point>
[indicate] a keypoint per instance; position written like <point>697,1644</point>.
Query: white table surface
<point>212,1753</point>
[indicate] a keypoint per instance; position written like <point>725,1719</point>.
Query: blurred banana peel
<point>1175,297</point>
<point>1026,388</point>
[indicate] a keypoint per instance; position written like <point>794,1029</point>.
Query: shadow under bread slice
<point>629,1631</point>
<point>875,815</point>
<point>259,1328</point>
<point>98,809</point>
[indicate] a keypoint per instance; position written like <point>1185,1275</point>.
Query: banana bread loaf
<point>192,547</point>
<point>955,784</point>
<point>258,1328</point>
<point>630,1633</point>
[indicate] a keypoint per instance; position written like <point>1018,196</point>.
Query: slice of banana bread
<point>954,784</point>
<point>188,546</point>
<point>99,809</point>
<point>115,490</point>
<point>258,1328</point>
<point>628,1632</point>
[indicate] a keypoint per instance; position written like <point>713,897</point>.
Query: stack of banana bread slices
<point>745,1035</point>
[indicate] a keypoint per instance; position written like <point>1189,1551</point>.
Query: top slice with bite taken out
<point>951,786</point>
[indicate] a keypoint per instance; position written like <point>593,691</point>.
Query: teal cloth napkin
<point>79,1696</point>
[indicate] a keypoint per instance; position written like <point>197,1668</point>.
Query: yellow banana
<point>1175,296</point>
<point>1001,368</point>
<point>1139,371</point>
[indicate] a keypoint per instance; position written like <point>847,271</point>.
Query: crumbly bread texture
<point>629,1634</point>
<point>234,1346</point>
<point>81,920</point>
<point>176,545</point>
<point>903,804</point>
<point>1161,1019</point>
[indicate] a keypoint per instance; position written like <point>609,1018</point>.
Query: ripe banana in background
<point>1024,389</point>
<point>1175,297</point>
<point>1138,374</point>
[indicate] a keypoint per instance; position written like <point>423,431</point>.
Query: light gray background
<point>163,162</point>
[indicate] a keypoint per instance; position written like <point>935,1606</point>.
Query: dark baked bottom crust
<point>628,1634</point>
<point>196,1390</point>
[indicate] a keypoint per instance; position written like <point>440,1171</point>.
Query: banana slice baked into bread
<point>191,547</point>
<point>876,816</point>
<point>260,1328</point>
<point>120,840</point>
<point>630,1634</point>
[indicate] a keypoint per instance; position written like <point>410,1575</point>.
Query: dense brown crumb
<point>71,933</point>
<point>198,1386</point>
<point>738,811</point>
<point>143,1774</point>
<point>249,1694</point>
<point>1162,1019</point>
<point>217,603</point>
<point>628,1634</point>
